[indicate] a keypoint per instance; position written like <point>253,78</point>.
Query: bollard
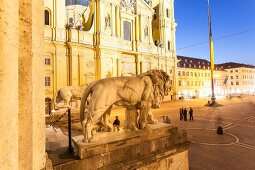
<point>70,147</point>
<point>220,130</point>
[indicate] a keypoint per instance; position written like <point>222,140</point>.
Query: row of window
<point>248,83</point>
<point>244,77</point>
<point>232,83</point>
<point>195,74</point>
<point>244,83</point>
<point>198,83</point>
<point>232,71</point>
<point>248,71</point>
<point>248,77</point>
<point>190,83</point>
<point>194,66</point>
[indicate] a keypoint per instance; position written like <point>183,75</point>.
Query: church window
<point>168,45</point>
<point>46,17</point>
<point>47,61</point>
<point>179,83</point>
<point>47,81</point>
<point>71,22</point>
<point>167,13</point>
<point>127,31</point>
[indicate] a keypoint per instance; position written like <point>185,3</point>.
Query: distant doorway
<point>48,106</point>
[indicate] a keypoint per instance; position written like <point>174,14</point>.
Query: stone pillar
<point>137,31</point>
<point>9,84</point>
<point>113,19</point>
<point>133,36</point>
<point>22,91</point>
<point>117,17</point>
<point>141,28</point>
<point>31,85</point>
<point>136,65</point>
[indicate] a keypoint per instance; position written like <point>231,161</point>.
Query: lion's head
<point>161,85</point>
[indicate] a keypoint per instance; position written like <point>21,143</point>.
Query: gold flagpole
<point>211,52</point>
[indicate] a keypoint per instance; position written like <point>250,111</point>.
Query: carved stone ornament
<point>107,21</point>
<point>128,4</point>
<point>89,64</point>
<point>146,31</point>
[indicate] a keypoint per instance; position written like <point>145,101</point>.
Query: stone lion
<point>142,92</point>
<point>67,93</point>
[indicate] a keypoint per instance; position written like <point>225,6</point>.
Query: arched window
<point>46,17</point>
<point>168,45</point>
<point>167,13</point>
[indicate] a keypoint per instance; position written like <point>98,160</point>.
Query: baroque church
<point>90,40</point>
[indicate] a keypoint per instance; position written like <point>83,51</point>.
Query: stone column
<point>117,18</point>
<point>113,19</point>
<point>31,127</point>
<point>9,84</point>
<point>133,36</point>
<point>141,28</point>
<point>22,85</point>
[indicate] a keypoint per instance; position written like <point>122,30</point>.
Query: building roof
<point>197,63</point>
<point>77,2</point>
<point>229,65</point>
<point>190,62</point>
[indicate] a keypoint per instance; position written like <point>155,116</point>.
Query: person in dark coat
<point>185,114</point>
<point>116,123</point>
<point>181,113</point>
<point>190,114</point>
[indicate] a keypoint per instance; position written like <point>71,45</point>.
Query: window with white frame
<point>47,81</point>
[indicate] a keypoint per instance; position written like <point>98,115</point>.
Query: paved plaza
<point>235,149</point>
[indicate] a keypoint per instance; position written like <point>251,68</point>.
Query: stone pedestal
<point>160,146</point>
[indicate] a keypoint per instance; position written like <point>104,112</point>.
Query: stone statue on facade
<point>128,4</point>
<point>141,92</point>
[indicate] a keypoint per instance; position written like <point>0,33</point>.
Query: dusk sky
<point>233,29</point>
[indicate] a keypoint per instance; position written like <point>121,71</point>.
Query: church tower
<point>164,27</point>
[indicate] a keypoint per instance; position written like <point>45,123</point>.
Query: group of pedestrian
<point>184,112</point>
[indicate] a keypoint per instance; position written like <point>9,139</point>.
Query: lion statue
<point>142,92</point>
<point>67,93</point>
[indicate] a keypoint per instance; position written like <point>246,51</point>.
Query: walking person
<point>190,114</point>
<point>116,124</point>
<point>181,113</point>
<point>185,114</point>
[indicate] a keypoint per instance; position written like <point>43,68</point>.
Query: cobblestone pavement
<point>235,149</point>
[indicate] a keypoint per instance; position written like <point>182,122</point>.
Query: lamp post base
<point>213,103</point>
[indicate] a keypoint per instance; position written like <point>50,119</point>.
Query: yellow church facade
<point>107,38</point>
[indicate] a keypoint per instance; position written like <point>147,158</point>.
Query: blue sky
<point>232,19</point>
